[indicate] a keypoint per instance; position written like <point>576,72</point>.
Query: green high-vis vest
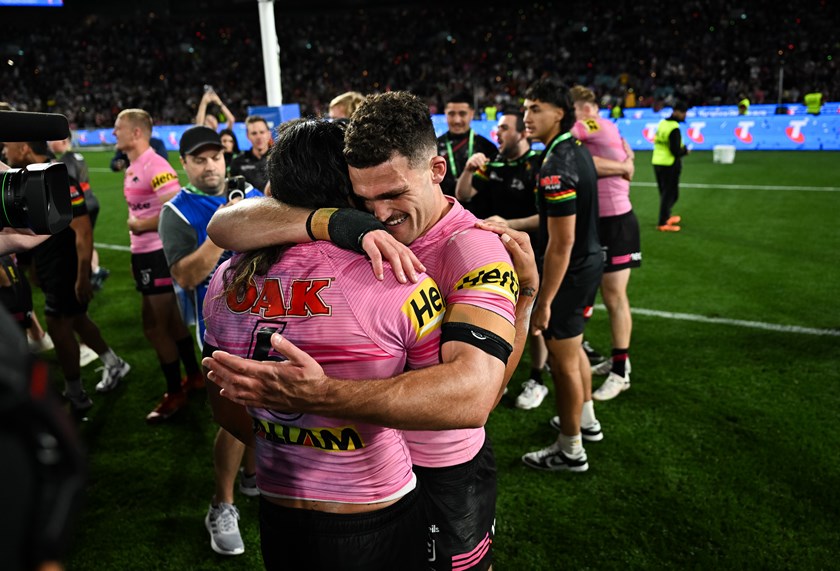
<point>662,154</point>
<point>813,103</point>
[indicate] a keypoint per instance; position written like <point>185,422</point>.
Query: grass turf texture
<point>721,455</point>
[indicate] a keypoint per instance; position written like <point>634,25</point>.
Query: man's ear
<point>438,166</point>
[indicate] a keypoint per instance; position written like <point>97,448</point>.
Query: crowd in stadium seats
<point>706,51</point>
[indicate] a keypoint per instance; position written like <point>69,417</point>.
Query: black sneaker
<point>553,459</point>
<point>97,278</point>
<point>80,403</point>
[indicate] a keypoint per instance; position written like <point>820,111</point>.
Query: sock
<point>172,374</point>
<point>587,416</point>
<point>536,374</point>
<point>109,358</point>
<point>186,350</point>
<point>572,446</point>
<point>619,361</point>
<point>73,387</point>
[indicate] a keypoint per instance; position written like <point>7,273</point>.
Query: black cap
<point>195,138</point>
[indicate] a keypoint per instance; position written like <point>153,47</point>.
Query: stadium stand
<point>154,60</point>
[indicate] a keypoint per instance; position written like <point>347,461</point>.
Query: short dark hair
<point>387,124</point>
<point>40,148</point>
<point>461,97</point>
<point>550,90</point>
<point>520,118</point>
<point>680,105</point>
<point>306,166</point>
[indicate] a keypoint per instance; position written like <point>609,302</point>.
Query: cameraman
<point>192,259</point>
<point>62,269</point>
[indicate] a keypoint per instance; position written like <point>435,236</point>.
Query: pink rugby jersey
<point>326,301</point>
<point>148,178</point>
<point>472,267</point>
<point>603,139</point>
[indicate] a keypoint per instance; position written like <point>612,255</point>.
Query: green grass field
<point>723,455</point>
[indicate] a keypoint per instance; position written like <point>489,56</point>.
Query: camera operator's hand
<point>17,239</point>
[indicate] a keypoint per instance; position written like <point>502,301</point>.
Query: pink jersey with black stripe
<point>326,301</point>
<point>603,139</point>
<point>470,266</point>
<point>147,178</point>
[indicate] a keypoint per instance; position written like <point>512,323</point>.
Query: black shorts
<point>151,273</point>
<point>620,242</point>
<point>57,279</point>
<point>387,539</point>
<point>460,503</point>
<point>572,305</point>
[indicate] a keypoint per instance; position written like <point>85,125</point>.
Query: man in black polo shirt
<point>572,264</point>
<point>460,143</point>
<point>251,164</point>
<point>508,184</point>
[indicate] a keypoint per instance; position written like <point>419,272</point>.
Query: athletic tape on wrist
<point>347,227</point>
<point>319,226</point>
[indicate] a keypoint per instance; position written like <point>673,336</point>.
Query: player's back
<point>327,302</point>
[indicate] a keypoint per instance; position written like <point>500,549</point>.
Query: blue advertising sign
<point>703,129</point>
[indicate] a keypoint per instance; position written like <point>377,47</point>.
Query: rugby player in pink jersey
<point>618,231</point>
<point>335,493</point>
<point>149,182</point>
<point>390,146</point>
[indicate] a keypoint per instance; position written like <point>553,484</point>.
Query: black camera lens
<point>36,197</point>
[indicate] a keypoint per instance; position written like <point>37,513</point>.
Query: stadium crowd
<point>629,54</point>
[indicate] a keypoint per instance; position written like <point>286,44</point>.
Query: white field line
<point>734,322</point>
<point>662,314</point>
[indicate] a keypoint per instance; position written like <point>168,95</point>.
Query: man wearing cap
<point>668,149</point>
<point>193,259</point>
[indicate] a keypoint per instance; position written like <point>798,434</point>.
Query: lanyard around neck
<point>449,152</point>
<point>560,139</point>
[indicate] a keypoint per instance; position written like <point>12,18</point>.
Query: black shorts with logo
<point>620,242</point>
<point>460,503</point>
<point>572,305</point>
<point>151,273</point>
<point>384,540</point>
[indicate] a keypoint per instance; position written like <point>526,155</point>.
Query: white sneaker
<point>604,368</point>
<point>111,376</point>
<point>554,459</point>
<point>612,387</point>
<point>591,433</point>
<point>532,395</point>
<point>86,355</point>
<point>222,522</point>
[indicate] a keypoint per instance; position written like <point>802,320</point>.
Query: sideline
<point>735,322</point>
<point>662,314</point>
